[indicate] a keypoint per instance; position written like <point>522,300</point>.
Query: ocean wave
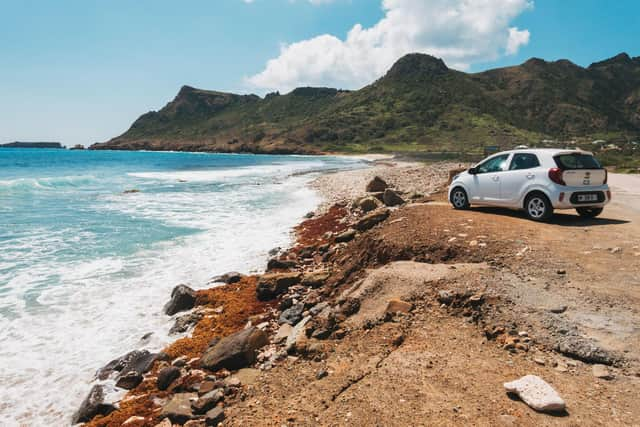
<point>280,170</point>
<point>48,183</point>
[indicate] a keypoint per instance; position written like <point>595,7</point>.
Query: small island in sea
<point>18,144</point>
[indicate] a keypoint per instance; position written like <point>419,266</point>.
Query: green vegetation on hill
<point>420,105</point>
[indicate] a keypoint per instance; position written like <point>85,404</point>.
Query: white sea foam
<point>55,337</point>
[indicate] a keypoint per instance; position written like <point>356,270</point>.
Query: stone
<point>164,423</point>
<point>166,376</point>
<point>179,361</point>
<point>584,350</point>
<point>445,297</point>
<point>281,264</point>
<point>315,279</point>
<point>376,185</point>
<point>182,298</point>
<point>296,333</point>
<point>178,408</point>
<point>391,198</point>
<point>195,423</point>
<point>536,393</point>
<point>271,285</point>
<point>321,374</point>
<point>558,309</point>
<point>137,360</point>
<point>185,322</point>
<point>214,416</point>
<point>310,215</point>
<point>235,351</point>
<point>292,315</point>
<point>207,386</point>
<point>94,404</point>
<point>349,306</point>
<point>283,333</point>
<point>208,401</point>
<point>133,419</point>
<point>368,204</point>
<point>129,380</point>
<point>398,306</point>
<point>371,220</point>
<point>602,372</point>
<point>346,236</point>
<point>228,278</point>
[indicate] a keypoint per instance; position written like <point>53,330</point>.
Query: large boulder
<point>376,185</point>
<point>235,351</point>
<point>536,393</point>
<point>182,298</point>
<point>371,220</point>
<point>271,285</point>
<point>292,315</point>
<point>281,264</point>
<point>136,363</point>
<point>166,376</point>
<point>391,198</point>
<point>368,204</point>
<point>93,405</point>
<point>315,279</point>
<point>178,409</point>
<point>208,401</point>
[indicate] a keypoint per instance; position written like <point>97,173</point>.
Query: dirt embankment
<point>416,316</point>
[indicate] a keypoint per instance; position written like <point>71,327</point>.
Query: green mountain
<point>419,105</point>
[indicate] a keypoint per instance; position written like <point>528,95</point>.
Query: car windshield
<point>577,161</point>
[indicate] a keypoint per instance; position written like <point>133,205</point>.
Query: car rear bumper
<point>572,197</point>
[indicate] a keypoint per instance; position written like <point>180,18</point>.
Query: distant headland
<point>19,144</point>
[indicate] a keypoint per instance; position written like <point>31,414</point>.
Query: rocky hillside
<point>420,104</point>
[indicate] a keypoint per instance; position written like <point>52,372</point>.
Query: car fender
<point>458,183</point>
<point>533,187</point>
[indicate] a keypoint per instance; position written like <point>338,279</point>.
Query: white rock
<point>536,393</point>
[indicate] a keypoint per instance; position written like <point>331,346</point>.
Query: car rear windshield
<point>577,161</point>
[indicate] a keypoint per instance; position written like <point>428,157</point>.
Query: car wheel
<point>459,198</point>
<point>538,207</point>
<point>589,212</point>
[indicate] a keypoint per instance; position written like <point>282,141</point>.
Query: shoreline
<point>365,296</point>
<point>331,195</point>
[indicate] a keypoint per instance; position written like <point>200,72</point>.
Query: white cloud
<point>461,32</point>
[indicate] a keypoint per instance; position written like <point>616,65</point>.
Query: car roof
<point>548,151</point>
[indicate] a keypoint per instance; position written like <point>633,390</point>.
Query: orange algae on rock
<point>312,231</point>
<point>238,302</point>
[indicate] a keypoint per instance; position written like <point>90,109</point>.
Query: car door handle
<point>530,176</point>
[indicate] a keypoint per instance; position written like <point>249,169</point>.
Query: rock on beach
<point>537,393</point>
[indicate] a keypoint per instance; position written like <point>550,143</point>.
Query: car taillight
<point>606,176</point>
<point>555,175</point>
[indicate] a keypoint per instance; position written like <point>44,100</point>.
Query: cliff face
<point>418,104</point>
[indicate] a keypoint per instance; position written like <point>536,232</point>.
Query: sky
<point>81,71</point>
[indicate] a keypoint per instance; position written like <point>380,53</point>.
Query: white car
<point>536,181</point>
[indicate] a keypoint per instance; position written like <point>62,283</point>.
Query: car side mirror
<point>472,171</point>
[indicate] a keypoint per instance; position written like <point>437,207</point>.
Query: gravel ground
<point>408,177</point>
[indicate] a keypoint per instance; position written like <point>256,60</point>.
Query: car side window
<point>494,164</point>
<point>524,161</point>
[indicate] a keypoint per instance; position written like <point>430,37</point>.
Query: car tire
<point>589,212</point>
<point>538,207</point>
<point>459,199</point>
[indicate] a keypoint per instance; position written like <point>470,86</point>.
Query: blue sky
<point>80,71</point>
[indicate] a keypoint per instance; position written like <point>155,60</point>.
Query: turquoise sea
<point>92,242</point>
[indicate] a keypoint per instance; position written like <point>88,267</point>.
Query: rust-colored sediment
<point>312,231</point>
<point>239,304</point>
